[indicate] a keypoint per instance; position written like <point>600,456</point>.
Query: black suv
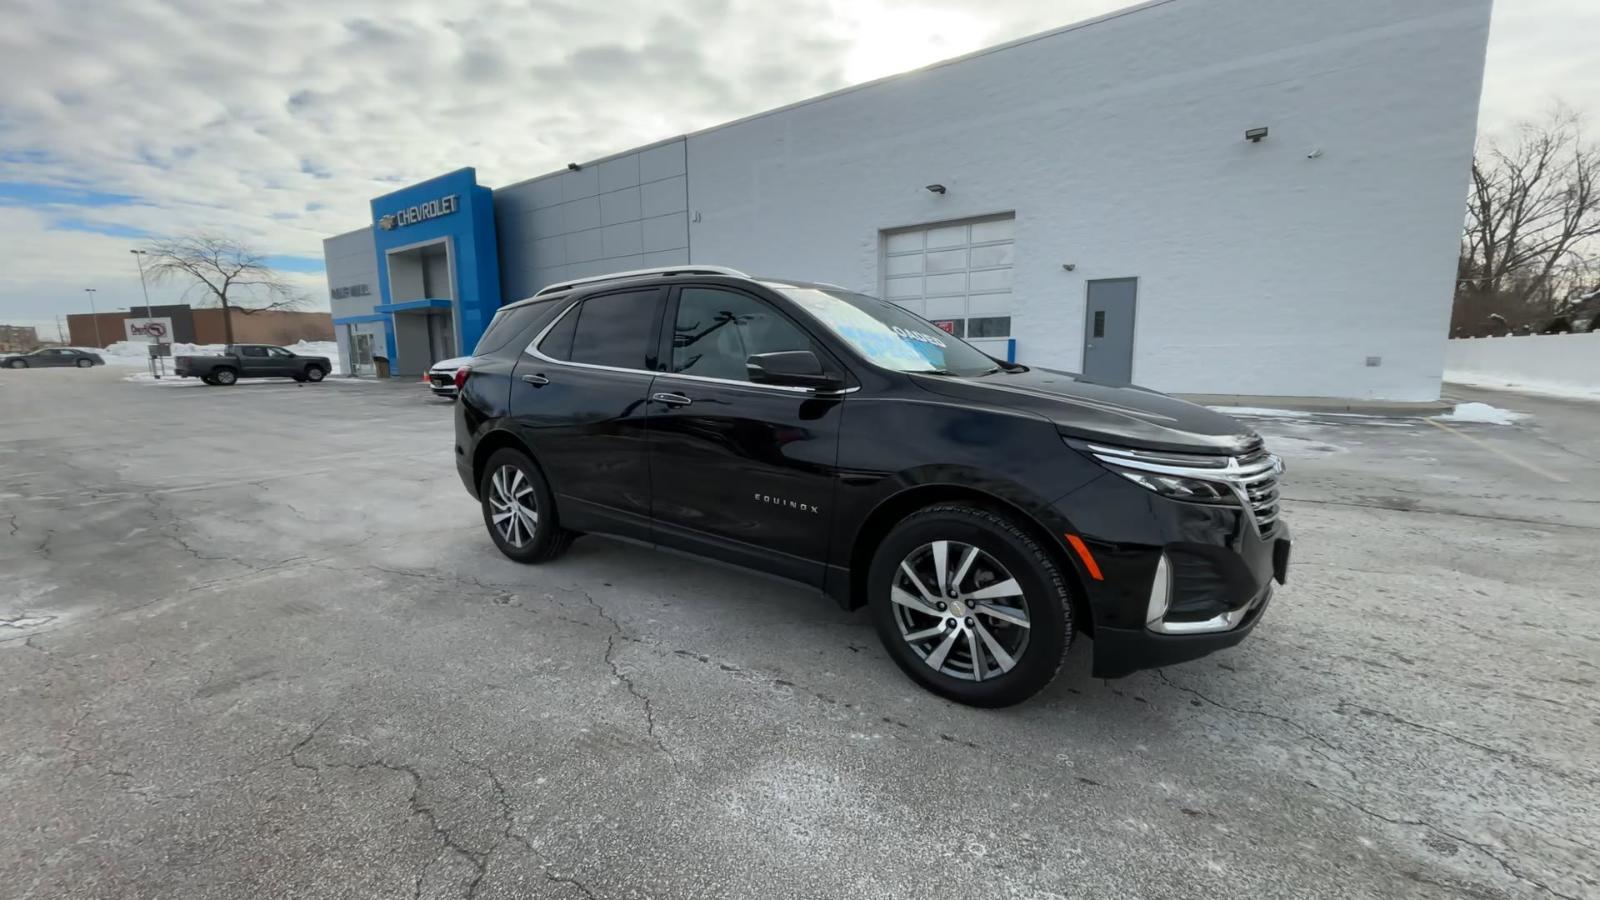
<point>984,511</point>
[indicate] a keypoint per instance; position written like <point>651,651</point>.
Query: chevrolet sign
<point>422,212</point>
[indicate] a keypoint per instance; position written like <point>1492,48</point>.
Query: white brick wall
<point>1119,146</point>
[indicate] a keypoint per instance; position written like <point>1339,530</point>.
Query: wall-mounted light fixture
<point>1254,135</point>
<point>1068,267</point>
<point>936,188</point>
<point>574,166</point>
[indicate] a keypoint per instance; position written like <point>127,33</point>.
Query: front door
<point>579,399</point>
<point>741,472</point>
<point>1108,330</point>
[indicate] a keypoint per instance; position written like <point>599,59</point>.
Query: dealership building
<point>1241,197</point>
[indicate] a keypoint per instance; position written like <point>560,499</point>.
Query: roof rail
<point>635,273</point>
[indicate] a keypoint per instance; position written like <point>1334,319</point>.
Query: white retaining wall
<point>1566,364</point>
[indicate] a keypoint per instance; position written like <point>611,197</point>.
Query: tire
<point>315,374</point>
<point>18,364</point>
<point>548,539</point>
<point>84,363</point>
<point>224,377</point>
<point>1038,595</point>
<point>209,380</point>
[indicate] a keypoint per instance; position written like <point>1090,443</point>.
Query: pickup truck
<point>251,361</point>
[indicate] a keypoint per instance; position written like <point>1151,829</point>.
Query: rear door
<point>53,357</point>
<point>578,397</point>
<point>739,471</point>
<point>254,362</point>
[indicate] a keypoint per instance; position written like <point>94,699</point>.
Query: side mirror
<point>791,368</point>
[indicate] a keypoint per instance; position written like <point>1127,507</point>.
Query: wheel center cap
<point>956,609</point>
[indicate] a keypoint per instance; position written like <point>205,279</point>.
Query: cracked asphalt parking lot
<point>254,643</point>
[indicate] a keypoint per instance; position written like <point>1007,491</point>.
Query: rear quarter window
<point>508,324</point>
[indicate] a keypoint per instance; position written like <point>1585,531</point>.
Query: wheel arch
<point>878,523</point>
<point>493,442</point>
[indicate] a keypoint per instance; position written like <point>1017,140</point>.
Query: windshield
<point>889,336</point>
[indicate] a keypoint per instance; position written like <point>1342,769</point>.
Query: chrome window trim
<point>533,350</point>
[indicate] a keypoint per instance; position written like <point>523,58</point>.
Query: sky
<point>276,122</point>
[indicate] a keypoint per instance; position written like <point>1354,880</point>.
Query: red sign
<point>150,329</point>
<point>948,326</point>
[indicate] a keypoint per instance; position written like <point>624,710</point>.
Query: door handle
<point>536,380</point>
<point>671,399</point>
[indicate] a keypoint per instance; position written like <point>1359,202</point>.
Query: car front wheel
<point>519,509</point>
<point>970,606</point>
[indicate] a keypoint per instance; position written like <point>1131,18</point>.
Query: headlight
<point>1180,488</point>
<point>1194,478</point>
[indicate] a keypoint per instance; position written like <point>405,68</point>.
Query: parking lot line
<point>1496,451</point>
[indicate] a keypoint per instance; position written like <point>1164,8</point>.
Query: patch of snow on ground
<point>1481,412</point>
<point>1289,444</point>
<point>1262,412</point>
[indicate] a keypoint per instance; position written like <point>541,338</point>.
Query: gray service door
<point>1108,330</point>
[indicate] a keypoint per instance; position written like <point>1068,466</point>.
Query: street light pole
<point>96,316</point>
<point>138,256</point>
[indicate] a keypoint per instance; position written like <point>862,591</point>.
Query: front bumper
<point>1178,580</point>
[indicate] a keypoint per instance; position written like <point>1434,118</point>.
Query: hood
<point>1118,414</point>
<point>450,364</point>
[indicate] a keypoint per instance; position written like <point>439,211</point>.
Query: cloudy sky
<point>277,121</point>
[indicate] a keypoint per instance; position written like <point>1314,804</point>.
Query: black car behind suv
<point>984,511</point>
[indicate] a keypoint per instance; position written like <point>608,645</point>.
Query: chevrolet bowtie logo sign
<point>422,212</point>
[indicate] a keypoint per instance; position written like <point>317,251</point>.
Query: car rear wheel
<point>315,374</point>
<point>970,606</point>
<point>208,380</point>
<point>84,363</point>
<point>519,510</point>
<point>18,364</point>
<point>224,377</point>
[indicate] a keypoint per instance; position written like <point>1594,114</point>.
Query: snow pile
<point>137,353</point>
<point>1481,412</point>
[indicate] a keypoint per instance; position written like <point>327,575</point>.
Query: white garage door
<point>956,274</point>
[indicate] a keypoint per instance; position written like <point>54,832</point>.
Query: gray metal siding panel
<point>619,173</point>
<point>661,197</point>
<point>667,232</point>
<point>662,162</point>
<point>620,206</point>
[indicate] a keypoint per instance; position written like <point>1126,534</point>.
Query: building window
<point>955,274</point>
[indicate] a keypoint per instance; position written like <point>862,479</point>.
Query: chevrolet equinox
<point>985,512</point>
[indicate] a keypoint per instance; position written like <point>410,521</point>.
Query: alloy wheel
<point>514,507</point>
<point>960,610</point>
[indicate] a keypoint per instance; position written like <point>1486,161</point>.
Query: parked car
<point>52,356</point>
<point>252,361</point>
<point>983,511</point>
<point>441,376</point>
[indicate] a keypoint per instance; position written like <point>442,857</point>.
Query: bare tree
<point>233,276</point>
<point>1533,223</point>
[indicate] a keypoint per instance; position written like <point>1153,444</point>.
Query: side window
<point>278,353</point>
<point>616,329</point>
<point>252,351</point>
<point>717,330</point>
<point>558,343</point>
